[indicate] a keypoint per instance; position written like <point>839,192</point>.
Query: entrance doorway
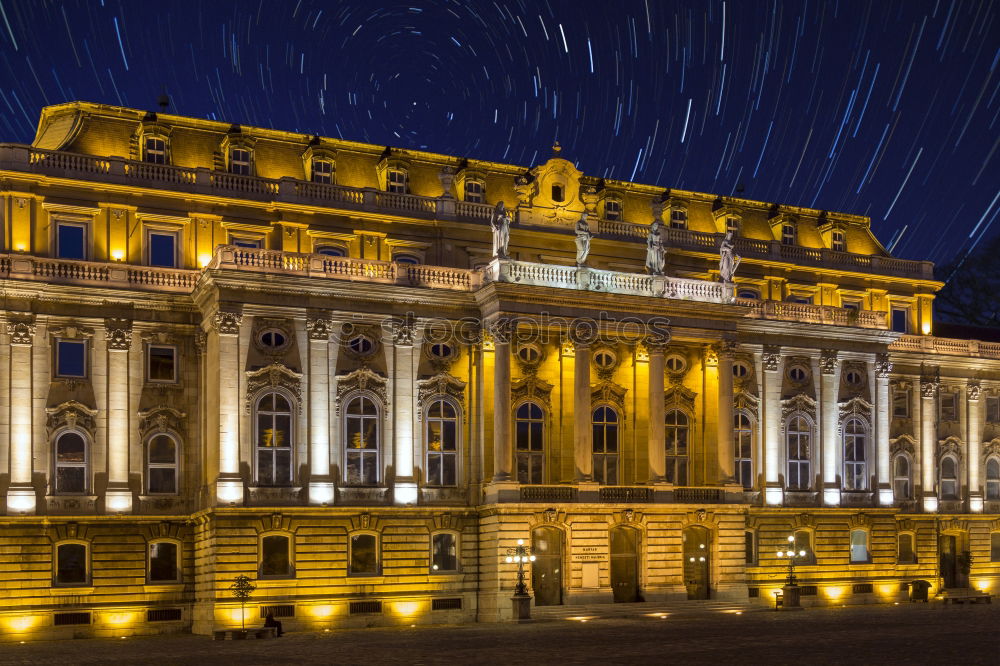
<point>546,570</point>
<point>950,558</point>
<point>625,564</point>
<point>697,562</point>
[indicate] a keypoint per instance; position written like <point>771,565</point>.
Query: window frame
<point>149,358</point>
<point>678,218</point>
<point>232,162</point>
<point>407,258</point>
<point>85,465</point>
<point>151,231</point>
<point>87,564</point>
<point>247,241</point>
<point>613,209</point>
<point>992,485</point>
<point>377,420</point>
<point>675,460</point>
<point>992,409</point>
<point>733,224</point>
<point>289,538</point>
<point>469,190</point>
<point>994,546</point>
<point>162,152</point>
<point>802,539</point>
<point>604,455</point>
<point>838,240</point>
<point>750,550</point>
<point>257,448</point>
<point>178,559</point>
<point>854,466</point>
<point>789,235</point>
<point>456,545</point>
<point>950,398</point>
<point>175,466</point>
<point>350,554</point>
<point>801,461</point>
<point>397,180</point>
<point>866,537</point>
<point>331,250</point>
<point>912,559</point>
<point>56,357</point>
<point>905,312</point>
<point>905,394</point>
<point>85,250</point>
<point>529,454</point>
<point>453,455</point>
<point>897,478</point>
<point>739,461</point>
<point>956,479</point>
<point>325,177</point>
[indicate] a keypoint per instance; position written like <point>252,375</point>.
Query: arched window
<point>364,559</point>
<point>905,554</point>
<point>275,556</point>
<point>475,191</point>
<point>154,149</point>
<point>949,478</point>
<point>241,161</point>
<point>993,479</point>
<point>855,460</point>
<point>322,171</point>
<point>676,436</point>
<point>743,445</point>
<point>797,439</point>
<point>396,181</point>
<point>72,564</point>
<point>529,429</point>
<point>442,443</point>
<point>558,193</point>
<point>72,459</point>
<point>274,440</point>
<point>164,562</point>
<point>901,485</point>
<point>859,546</point>
<point>161,464</point>
<point>605,424</point>
<point>362,443</point>
<point>444,552</point>
<point>612,209</point>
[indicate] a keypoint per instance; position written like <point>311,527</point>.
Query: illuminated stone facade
<point>230,350</point>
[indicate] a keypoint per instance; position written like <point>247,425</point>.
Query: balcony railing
<point>93,273</point>
<point>951,346</point>
<point>19,157</point>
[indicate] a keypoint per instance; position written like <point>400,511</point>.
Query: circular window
<point>676,363</point>
<point>361,345</point>
<point>272,338</point>
<point>529,354</point>
<point>604,359</point>
<point>441,350</point>
<point>853,378</point>
<point>797,373</point>
<point>741,370</point>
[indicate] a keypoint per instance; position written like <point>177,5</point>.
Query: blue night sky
<point>886,108</point>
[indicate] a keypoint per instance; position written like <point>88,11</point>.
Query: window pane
<point>163,561</point>
<point>71,448</point>
<point>162,449</point>
<point>162,480</point>
<point>71,563</point>
<point>445,556</point>
<point>274,556</point>
<point>859,546</point>
<point>71,241</point>
<point>749,553</point>
<point>71,479</point>
<point>161,363</point>
<point>162,249</point>
<point>434,469</point>
<point>71,358</point>
<point>265,467</point>
<point>363,554</point>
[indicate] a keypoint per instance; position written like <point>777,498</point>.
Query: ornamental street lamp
<point>790,591</point>
<point>521,600</point>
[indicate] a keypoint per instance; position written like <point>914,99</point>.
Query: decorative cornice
<point>531,388</point>
<point>70,414</point>
<point>362,379</point>
<point>274,375</point>
<point>606,392</point>
<point>160,419</point>
<point>440,384</point>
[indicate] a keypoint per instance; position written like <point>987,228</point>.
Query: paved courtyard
<point>905,634</point>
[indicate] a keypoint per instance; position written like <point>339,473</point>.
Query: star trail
<point>884,108</point>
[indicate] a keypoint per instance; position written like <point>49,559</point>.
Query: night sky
<point>884,108</point>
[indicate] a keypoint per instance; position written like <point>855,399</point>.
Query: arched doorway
<point>697,562</point>
<point>546,570</point>
<point>625,564</point>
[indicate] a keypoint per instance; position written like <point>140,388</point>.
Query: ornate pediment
<point>902,444</point>
<point>991,449</point>
<point>679,396</point>
<point>857,520</point>
<point>746,401</point>
<point>440,384</point>
<point>532,388</point>
<point>160,419</point>
<point>798,403</point>
<point>609,393</point>
<point>856,406</point>
<point>951,446</point>
<point>70,414</point>
<point>362,379</point>
<point>274,375</point>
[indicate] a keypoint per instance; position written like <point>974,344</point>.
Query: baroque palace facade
<point>229,350</point>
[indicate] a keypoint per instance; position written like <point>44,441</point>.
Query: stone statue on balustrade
<point>728,259</point>
<point>583,237</point>
<point>654,249</point>
<point>500,224</point>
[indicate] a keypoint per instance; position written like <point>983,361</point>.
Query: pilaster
<point>20,493</point>
<point>771,364</point>
<point>404,334</point>
<point>830,446</point>
<point>883,416</point>
<point>225,329</point>
<point>928,437</point>
<point>318,329</point>
<point>974,439</point>
<point>656,441</point>
<point>118,339</point>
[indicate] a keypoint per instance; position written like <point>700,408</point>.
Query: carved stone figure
<point>583,237</point>
<point>500,223</point>
<point>728,259</point>
<point>654,249</point>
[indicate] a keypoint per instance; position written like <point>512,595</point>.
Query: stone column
<point>501,331</point>
<point>226,331</point>
<point>771,363</point>
<point>831,454</point>
<point>118,336</point>
<point>883,416</point>
<point>928,442</point>
<point>320,485</point>
<point>657,451</point>
<point>403,409</point>
<point>583,434</point>
<point>974,439</point>
<point>20,492</point>
<point>726,454</point>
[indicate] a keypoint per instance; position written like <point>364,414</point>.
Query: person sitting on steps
<point>269,621</point>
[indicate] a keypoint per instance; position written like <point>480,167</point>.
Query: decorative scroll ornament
<point>160,419</point>
<point>856,406</point>
<point>119,333</point>
<point>227,323</point>
<point>991,449</point>
<point>903,444</point>
<point>319,328</point>
<point>501,330</point>
<point>403,331</point>
<point>746,402</point>
<point>828,361</point>
<point>929,388</point>
<point>883,366</point>
<point>711,356</point>
<point>21,332</point>
<point>274,375</point>
<point>606,392</point>
<point>973,390</point>
<point>440,384</point>
<point>362,379</point>
<point>532,388</point>
<point>70,414</point>
<point>771,357</point>
<point>950,446</point>
<point>679,396</point>
<point>798,403</point>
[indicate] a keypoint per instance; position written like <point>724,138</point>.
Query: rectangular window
<point>161,248</point>
<point>995,547</point>
<point>678,218</point>
<point>239,161</point>
<point>993,409</point>
<point>612,209</point>
<point>851,305</point>
<point>71,240</point>
<point>474,191</point>
<point>163,562</point>
<point>71,564</point>
<point>156,151</point>
<point>246,241</point>
<point>396,181</point>
<point>788,234</point>
<point>749,550</point>
<point>733,225</point>
<point>949,406</point>
<point>71,358</point>
<point>905,552</point>
<point>901,404</point>
<point>859,546</point>
<point>161,363</point>
<point>322,171</point>
<point>364,555</point>
<point>838,241</point>
<point>901,320</point>
<point>445,553</point>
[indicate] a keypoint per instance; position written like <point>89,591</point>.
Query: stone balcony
<point>200,180</point>
<point>949,346</point>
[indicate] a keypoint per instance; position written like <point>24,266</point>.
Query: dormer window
<point>612,209</point>
<point>733,225</point>
<point>678,218</point>
<point>838,241</point>
<point>154,150</point>
<point>787,234</point>
<point>322,171</point>
<point>558,193</point>
<point>396,181</point>
<point>475,191</point>
<point>239,161</point>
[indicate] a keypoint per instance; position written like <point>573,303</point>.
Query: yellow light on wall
<point>889,590</point>
<point>321,612</point>
<point>122,618</point>
<point>20,624</point>
<point>833,593</point>
<point>925,327</point>
<point>983,585</point>
<point>118,255</point>
<point>20,247</point>
<point>406,608</point>
<point>204,260</point>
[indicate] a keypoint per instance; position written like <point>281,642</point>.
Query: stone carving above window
<point>679,397</point>
<point>608,393</point>
<point>70,414</point>
<point>362,379</point>
<point>532,388</point>
<point>902,444</point>
<point>951,446</point>
<point>798,403</point>
<point>440,384</point>
<point>160,419</point>
<point>271,376</point>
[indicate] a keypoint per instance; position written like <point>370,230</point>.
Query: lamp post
<point>521,600</point>
<point>790,591</point>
